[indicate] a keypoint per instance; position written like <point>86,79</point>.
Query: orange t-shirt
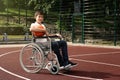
<point>38,34</point>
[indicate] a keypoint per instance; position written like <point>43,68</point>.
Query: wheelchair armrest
<point>47,37</point>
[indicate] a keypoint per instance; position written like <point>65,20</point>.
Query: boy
<point>57,45</point>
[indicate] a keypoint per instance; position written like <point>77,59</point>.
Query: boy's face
<point>39,18</point>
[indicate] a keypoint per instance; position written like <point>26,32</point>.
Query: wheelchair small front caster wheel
<point>54,69</point>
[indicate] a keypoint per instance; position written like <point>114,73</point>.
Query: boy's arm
<point>35,29</point>
<point>58,35</point>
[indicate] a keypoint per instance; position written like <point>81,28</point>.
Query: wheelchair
<point>38,55</point>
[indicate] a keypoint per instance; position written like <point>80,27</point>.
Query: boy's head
<point>39,16</point>
<point>38,12</point>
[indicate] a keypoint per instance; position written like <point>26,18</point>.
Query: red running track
<point>94,63</point>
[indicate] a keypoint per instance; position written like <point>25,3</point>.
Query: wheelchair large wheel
<point>32,58</point>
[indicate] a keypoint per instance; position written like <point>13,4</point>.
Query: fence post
<point>73,28</point>
<point>5,37</point>
<point>115,22</point>
<point>83,24</point>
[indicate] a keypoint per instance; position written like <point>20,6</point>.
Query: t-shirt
<point>35,33</point>
<point>38,34</point>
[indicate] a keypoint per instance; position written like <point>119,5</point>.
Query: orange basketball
<point>39,34</point>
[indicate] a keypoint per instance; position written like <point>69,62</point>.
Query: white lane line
<point>89,61</point>
<point>80,77</point>
<point>9,53</point>
<point>13,74</point>
<point>9,71</point>
<point>92,54</point>
<point>93,46</point>
<point>12,45</point>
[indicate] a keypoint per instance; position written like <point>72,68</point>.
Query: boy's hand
<point>47,34</point>
<point>59,35</point>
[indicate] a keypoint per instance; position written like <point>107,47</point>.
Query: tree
<point>44,5</point>
<point>2,7</point>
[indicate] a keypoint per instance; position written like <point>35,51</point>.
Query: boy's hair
<point>38,12</point>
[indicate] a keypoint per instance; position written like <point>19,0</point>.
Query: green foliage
<point>2,6</point>
<point>12,30</point>
<point>44,5</point>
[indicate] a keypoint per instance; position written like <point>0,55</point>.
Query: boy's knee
<point>63,42</point>
<point>54,44</point>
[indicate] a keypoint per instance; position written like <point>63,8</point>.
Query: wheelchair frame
<point>39,57</point>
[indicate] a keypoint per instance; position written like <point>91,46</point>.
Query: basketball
<point>39,34</point>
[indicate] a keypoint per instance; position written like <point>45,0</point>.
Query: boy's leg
<point>63,46</point>
<point>55,48</point>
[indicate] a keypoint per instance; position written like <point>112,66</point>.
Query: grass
<point>12,11</point>
<point>13,17</point>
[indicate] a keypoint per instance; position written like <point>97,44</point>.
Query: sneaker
<point>67,66</point>
<point>72,64</point>
<point>61,67</point>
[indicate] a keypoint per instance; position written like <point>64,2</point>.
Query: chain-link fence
<point>100,22</point>
<point>81,21</point>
